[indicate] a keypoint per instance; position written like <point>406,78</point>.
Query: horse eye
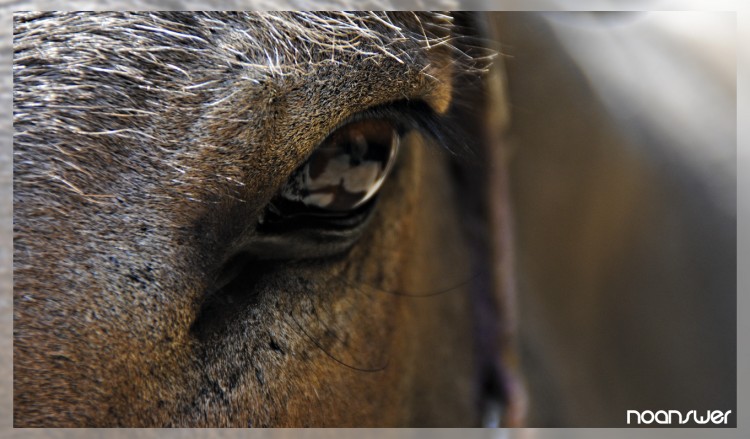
<point>344,172</point>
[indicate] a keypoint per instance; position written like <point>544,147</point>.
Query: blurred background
<point>623,137</point>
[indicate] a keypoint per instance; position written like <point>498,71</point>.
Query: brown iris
<point>347,169</point>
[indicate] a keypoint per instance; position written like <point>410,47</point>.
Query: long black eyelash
<point>417,115</point>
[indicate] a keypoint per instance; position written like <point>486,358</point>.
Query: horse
<point>208,233</point>
<point>260,220</point>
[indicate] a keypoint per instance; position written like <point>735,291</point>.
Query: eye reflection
<point>346,170</point>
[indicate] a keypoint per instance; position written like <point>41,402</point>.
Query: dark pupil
<point>347,169</point>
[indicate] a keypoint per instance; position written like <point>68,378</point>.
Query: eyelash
<point>415,115</point>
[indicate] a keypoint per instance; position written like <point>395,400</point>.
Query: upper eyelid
<point>402,112</point>
<point>417,115</point>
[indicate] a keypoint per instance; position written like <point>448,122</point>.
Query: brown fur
<point>147,146</point>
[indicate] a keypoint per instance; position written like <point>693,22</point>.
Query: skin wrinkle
<point>145,145</point>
